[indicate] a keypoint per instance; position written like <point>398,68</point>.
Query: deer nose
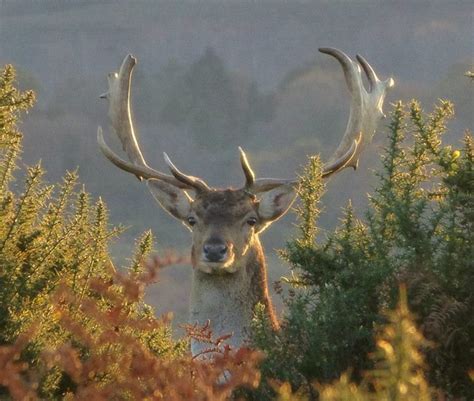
<point>215,251</point>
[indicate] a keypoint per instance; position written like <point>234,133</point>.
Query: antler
<point>120,117</point>
<point>365,113</point>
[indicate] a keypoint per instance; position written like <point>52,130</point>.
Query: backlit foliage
<point>398,373</point>
<point>72,327</point>
<point>104,359</point>
<point>399,368</point>
<point>418,231</point>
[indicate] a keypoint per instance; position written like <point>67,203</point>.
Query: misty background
<point>213,75</point>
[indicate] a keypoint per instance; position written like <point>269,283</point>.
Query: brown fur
<point>228,299</point>
<point>227,291</point>
<point>256,268</point>
<point>224,206</point>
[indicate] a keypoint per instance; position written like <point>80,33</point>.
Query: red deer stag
<point>229,275</point>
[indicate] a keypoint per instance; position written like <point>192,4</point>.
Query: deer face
<point>224,223</point>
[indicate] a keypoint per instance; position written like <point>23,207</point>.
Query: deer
<point>229,275</point>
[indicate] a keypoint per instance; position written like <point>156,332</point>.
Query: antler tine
<point>267,184</point>
<point>350,73</point>
<point>365,109</point>
<point>188,180</point>
<point>120,118</point>
<point>369,72</point>
<point>248,172</point>
<point>365,113</point>
<point>140,171</point>
<point>344,161</point>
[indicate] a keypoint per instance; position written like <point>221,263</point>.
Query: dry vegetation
<point>109,362</point>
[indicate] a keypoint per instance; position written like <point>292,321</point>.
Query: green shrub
<point>71,326</point>
<point>398,373</point>
<point>51,234</point>
<point>418,231</point>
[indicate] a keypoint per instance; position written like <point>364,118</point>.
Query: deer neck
<point>228,301</point>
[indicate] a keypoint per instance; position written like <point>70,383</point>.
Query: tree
<point>218,107</point>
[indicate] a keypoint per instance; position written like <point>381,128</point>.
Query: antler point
<point>167,159</point>
<point>100,136</point>
<point>132,58</point>
<point>324,49</point>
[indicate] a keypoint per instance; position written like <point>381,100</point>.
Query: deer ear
<point>276,202</point>
<point>174,200</point>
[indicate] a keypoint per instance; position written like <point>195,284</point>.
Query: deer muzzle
<point>215,251</point>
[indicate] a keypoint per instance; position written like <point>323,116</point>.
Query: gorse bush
<point>72,327</point>
<point>398,372</point>
<point>49,234</point>
<point>418,231</point>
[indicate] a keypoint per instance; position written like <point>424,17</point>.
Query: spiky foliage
<point>51,234</point>
<point>398,374</point>
<point>418,231</point>
<point>71,326</point>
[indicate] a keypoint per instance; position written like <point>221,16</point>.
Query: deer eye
<point>191,221</point>
<point>251,221</point>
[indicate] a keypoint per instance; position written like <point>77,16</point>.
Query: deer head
<point>224,223</point>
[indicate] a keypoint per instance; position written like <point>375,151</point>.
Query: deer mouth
<point>222,267</point>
